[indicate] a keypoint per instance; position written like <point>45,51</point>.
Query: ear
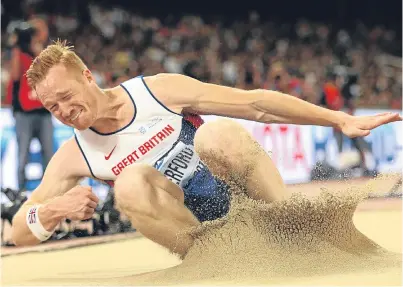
<point>88,75</point>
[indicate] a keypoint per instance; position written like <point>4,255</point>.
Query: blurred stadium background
<point>339,54</point>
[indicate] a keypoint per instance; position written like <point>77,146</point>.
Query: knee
<point>134,174</point>
<point>134,190</point>
<point>219,136</point>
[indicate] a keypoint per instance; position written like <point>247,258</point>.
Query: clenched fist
<point>78,203</point>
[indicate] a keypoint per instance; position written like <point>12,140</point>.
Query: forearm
<point>48,215</point>
<point>282,108</point>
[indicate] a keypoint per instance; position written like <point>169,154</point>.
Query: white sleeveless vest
<point>155,136</point>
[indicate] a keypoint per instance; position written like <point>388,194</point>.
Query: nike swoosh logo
<point>109,155</point>
<point>158,164</point>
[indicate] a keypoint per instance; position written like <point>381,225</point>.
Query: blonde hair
<point>57,53</point>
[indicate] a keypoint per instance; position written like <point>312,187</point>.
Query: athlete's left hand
<point>361,126</point>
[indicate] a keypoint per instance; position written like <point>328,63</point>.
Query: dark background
<point>341,13</point>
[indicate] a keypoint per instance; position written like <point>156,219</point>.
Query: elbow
<point>16,237</point>
<point>266,106</point>
<point>263,117</point>
<point>20,239</point>
<point>259,114</point>
<point>19,234</point>
<point>16,240</point>
<point>270,119</point>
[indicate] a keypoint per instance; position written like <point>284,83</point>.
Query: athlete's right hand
<point>78,203</point>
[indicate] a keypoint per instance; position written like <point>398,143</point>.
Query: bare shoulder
<point>163,84</point>
<point>161,77</point>
<point>170,80</point>
<point>189,94</point>
<point>176,91</point>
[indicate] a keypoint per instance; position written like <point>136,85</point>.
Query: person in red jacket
<point>337,96</point>
<point>31,118</point>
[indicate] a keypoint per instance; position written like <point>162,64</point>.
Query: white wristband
<point>35,225</point>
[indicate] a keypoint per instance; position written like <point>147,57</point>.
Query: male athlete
<point>144,136</point>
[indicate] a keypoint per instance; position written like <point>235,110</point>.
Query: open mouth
<point>76,116</point>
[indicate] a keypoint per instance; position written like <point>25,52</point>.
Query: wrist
<point>38,221</point>
<point>340,120</point>
<point>52,212</point>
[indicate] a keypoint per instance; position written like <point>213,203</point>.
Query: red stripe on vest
<point>195,120</point>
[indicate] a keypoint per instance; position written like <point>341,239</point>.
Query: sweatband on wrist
<point>35,225</point>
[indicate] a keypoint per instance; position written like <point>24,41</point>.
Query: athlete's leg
<point>232,154</point>
<point>155,206</point>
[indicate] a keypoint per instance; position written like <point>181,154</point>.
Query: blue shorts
<point>207,196</point>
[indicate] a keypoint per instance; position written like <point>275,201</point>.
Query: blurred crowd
<point>296,59</point>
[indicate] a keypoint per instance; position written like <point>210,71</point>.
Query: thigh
<point>145,183</point>
<point>233,155</point>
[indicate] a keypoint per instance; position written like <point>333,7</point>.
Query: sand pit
<point>321,240</point>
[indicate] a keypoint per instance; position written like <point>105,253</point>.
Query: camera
<point>15,201</point>
<point>23,33</point>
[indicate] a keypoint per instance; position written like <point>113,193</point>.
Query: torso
<point>156,136</point>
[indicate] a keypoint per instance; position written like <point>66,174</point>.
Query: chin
<point>82,126</point>
<point>82,123</point>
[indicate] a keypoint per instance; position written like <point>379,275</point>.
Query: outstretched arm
<point>185,93</point>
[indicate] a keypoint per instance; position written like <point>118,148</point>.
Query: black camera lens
<point>25,33</point>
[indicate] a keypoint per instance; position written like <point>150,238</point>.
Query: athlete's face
<point>70,97</point>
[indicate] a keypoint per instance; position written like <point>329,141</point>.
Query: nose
<point>66,111</point>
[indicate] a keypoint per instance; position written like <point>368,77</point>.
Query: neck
<point>114,110</point>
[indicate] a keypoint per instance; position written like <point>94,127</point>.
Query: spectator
<point>118,43</point>
<point>31,119</point>
<point>337,95</point>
